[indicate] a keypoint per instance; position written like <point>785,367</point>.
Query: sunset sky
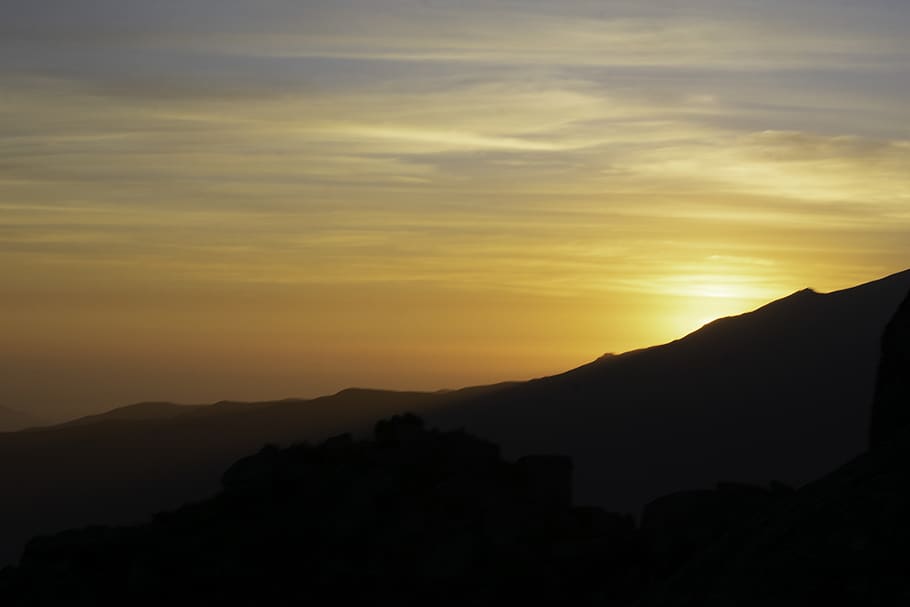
<point>213,199</point>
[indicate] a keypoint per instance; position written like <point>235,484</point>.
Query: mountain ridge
<point>416,516</point>
<point>798,367</point>
<point>638,425</point>
<point>12,420</point>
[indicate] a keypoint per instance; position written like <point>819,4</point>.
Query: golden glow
<point>377,194</point>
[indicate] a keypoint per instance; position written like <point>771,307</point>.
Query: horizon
<point>41,420</point>
<point>200,201</point>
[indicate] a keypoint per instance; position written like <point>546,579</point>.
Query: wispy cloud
<point>605,152</point>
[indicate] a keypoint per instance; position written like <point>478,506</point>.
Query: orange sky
<point>198,202</point>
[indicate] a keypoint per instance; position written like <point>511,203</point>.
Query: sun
<point>703,302</point>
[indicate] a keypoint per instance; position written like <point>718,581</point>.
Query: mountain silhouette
<point>418,516</point>
<point>149,411</point>
<point>891,408</point>
<point>778,393</point>
<point>12,420</point>
<point>841,540</point>
<point>410,517</point>
<point>124,465</point>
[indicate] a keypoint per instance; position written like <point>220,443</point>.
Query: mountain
<point>891,408</point>
<point>416,517</point>
<point>413,514</point>
<point>137,412</point>
<point>411,517</point>
<point>780,393</point>
<point>157,411</point>
<point>841,540</point>
<point>12,420</point>
<point>122,466</point>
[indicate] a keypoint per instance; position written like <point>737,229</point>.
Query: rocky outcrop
<point>841,540</point>
<point>678,526</point>
<point>891,407</point>
<point>414,516</point>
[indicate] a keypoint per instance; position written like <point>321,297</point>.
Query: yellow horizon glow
<point>376,193</point>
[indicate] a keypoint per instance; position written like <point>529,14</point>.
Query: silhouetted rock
<point>679,525</point>
<point>122,466</point>
<point>891,407</point>
<point>400,428</point>
<point>415,516</point>
<point>841,540</point>
<point>548,480</point>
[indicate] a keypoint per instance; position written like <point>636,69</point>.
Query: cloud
<point>508,144</point>
<point>839,170</point>
<point>210,49</point>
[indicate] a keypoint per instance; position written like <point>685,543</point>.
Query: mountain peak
<point>742,393</point>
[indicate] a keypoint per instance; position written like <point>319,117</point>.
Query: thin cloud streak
<point>599,156</point>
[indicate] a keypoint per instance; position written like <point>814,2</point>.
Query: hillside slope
<point>780,393</point>
<point>123,466</point>
<point>12,420</point>
<point>841,540</point>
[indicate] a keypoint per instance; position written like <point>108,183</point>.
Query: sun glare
<point>716,290</point>
<point>695,312</point>
<point>707,301</point>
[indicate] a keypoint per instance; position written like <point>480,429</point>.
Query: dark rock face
<point>677,526</point>
<point>839,541</point>
<point>891,408</point>
<point>547,480</point>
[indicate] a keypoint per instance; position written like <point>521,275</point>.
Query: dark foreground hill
<point>779,393</point>
<point>123,466</point>
<point>842,540</point>
<point>411,517</point>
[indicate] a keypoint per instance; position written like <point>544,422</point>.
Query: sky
<point>225,199</point>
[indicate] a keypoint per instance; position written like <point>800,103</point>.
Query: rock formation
<point>891,407</point>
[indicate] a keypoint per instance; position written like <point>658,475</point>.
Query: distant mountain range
<point>124,465</point>
<point>779,393</point>
<point>12,420</point>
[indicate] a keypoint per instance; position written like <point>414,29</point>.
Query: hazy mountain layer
<point>122,466</point>
<point>12,420</point>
